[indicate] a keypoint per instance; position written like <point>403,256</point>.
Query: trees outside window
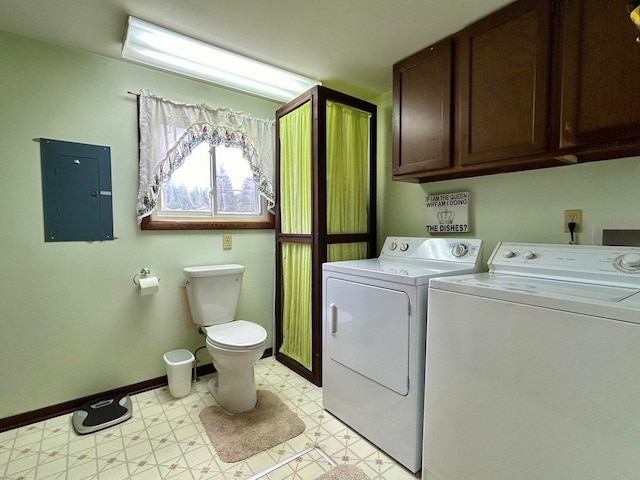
<point>214,185</point>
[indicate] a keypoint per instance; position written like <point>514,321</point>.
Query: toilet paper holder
<point>145,272</point>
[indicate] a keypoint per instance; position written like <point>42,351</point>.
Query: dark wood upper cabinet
<point>502,84</point>
<point>537,83</point>
<point>422,110</point>
<point>599,75</point>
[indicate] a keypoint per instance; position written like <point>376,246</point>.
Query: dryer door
<point>368,331</point>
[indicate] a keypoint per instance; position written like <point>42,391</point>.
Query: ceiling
<point>350,45</point>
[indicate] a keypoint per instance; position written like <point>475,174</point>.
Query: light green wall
<point>521,206</point>
<point>72,323</point>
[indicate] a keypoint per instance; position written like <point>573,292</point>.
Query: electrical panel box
<point>76,191</point>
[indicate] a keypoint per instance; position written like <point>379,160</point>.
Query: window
<point>213,188</point>
<point>210,192</point>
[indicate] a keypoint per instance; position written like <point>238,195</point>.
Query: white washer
<point>374,314</point>
<point>533,369</point>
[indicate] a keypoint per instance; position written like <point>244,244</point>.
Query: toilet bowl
<point>234,348</point>
<point>234,345</point>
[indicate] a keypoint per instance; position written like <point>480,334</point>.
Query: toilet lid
<point>238,334</point>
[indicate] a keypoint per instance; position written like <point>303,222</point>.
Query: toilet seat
<point>236,335</point>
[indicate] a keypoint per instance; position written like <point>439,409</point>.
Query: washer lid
<point>236,334</point>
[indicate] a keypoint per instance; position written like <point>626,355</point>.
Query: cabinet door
<point>502,84</point>
<point>600,73</point>
<point>422,110</point>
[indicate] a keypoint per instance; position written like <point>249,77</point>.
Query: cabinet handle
<point>333,318</point>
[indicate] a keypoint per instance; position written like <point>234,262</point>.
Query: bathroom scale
<point>102,413</point>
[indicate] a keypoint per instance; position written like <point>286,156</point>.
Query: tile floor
<point>164,439</point>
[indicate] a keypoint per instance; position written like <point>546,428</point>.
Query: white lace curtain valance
<point>169,131</point>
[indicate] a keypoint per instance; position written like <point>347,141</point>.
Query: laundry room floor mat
<point>344,472</point>
<point>239,436</point>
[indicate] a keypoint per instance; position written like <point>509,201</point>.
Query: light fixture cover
<point>152,45</point>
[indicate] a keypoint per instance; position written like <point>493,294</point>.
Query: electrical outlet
<point>226,241</point>
<point>573,216</point>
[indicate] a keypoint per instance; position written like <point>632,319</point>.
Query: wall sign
<point>448,213</point>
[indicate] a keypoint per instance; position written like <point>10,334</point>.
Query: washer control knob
<point>509,254</point>
<point>393,246</point>
<point>404,247</point>
<point>528,255</point>
<point>631,261</point>
<point>459,250</point>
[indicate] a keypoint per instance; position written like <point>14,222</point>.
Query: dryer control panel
<point>467,250</point>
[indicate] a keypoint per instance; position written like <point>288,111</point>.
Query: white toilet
<point>234,345</point>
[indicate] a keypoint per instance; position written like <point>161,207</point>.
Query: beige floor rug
<point>344,472</point>
<point>239,436</point>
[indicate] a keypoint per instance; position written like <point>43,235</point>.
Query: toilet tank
<point>213,292</point>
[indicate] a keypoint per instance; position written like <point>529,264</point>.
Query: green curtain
<point>347,169</point>
<point>295,218</point>
<point>296,302</point>
<point>336,252</point>
<point>295,171</point>
<point>347,208</point>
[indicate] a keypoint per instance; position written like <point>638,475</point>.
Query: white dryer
<point>374,314</point>
<point>533,369</point>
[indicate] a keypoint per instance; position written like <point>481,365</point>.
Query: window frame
<point>152,222</point>
<point>157,221</point>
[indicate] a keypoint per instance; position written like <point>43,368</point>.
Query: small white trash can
<point>179,364</point>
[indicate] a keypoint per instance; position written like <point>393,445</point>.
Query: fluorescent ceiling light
<point>158,47</point>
